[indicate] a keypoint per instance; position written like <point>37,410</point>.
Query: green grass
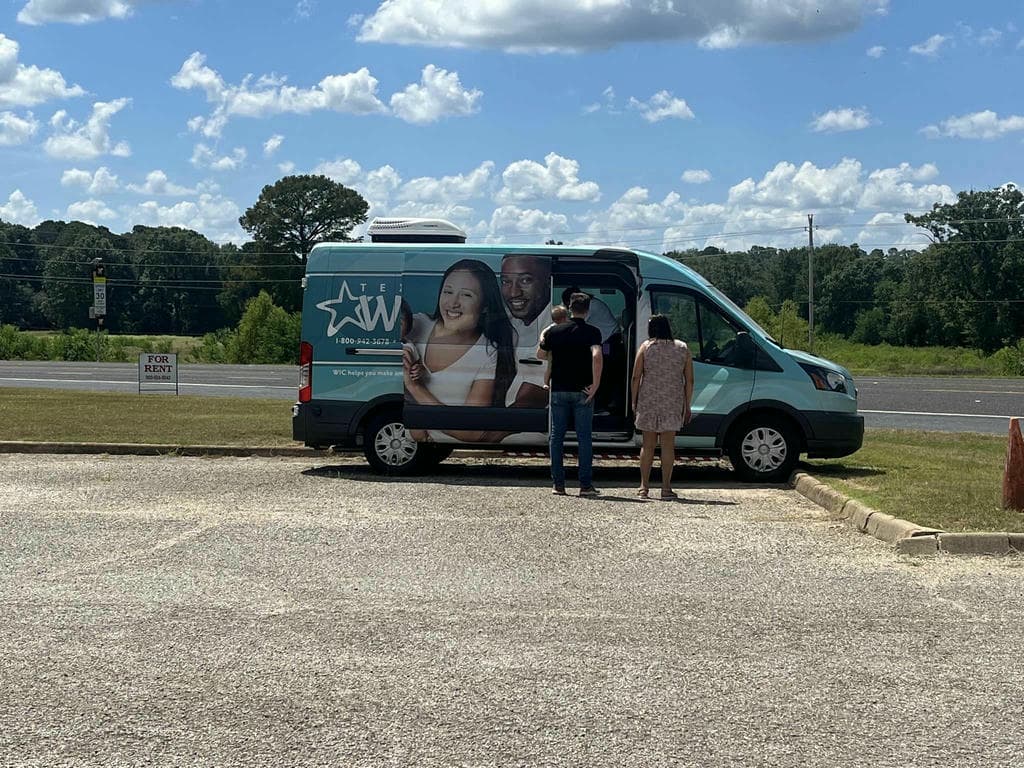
<point>887,360</point>
<point>948,481</point>
<point>49,415</point>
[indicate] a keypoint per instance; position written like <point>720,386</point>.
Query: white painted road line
<point>134,382</point>
<point>979,391</point>
<point>950,415</point>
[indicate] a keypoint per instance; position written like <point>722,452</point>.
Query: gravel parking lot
<point>230,612</point>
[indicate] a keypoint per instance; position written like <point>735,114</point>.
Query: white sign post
<point>158,372</point>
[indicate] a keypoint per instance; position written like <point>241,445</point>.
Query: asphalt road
<point>945,404</point>
<point>238,612</point>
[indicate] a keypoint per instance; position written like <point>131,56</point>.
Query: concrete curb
<point>906,537</point>
<point>144,449</point>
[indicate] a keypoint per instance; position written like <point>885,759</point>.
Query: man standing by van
<point>576,362</point>
<point>526,289</point>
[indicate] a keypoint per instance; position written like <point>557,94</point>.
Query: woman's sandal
<point>643,493</point>
<point>669,495</point>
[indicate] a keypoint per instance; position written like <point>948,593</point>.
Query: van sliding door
<point>471,372</point>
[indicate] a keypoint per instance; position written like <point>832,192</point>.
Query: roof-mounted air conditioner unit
<point>414,231</point>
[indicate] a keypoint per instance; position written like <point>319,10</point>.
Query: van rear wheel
<point>764,449</point>
<point>388,446</point>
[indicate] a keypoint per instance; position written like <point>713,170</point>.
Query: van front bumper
<point>832,435</point>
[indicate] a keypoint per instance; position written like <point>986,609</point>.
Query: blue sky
<point>657,123</point>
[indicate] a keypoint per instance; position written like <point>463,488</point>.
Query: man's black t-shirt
<point>569,345</point>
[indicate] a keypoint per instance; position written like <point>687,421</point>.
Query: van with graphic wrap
<point>419,343</point>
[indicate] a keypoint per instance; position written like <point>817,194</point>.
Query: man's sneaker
<point>558,490</point>
<point>589,491</point>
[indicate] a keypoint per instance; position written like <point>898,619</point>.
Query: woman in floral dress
<point>662,390</point>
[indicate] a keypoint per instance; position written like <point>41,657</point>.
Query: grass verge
<point>50,415</point>
<point>935,479</point>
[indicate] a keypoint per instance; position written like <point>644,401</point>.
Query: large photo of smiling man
<point>526,291</point>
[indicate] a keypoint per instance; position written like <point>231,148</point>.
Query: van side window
<point>711,338</point>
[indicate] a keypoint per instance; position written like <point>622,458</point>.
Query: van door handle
<point>373,351</point>
<point>531,361</point>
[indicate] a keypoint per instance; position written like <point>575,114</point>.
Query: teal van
<point>418,342</point>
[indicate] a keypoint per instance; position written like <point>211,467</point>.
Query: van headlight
<point>824,379</point>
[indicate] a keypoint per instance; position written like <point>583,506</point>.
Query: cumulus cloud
<point>27,85</point>
<point>205,157</point>
<point>876,51</point>
<point>634,217</point>
<point>510,221</point>
<point>213,215</point>
<point>286,167</point>
<point>19,210</point>
<point>100,182</point>
<point>696,176</point>
<point>75,11</point>
<point>930,47</point>
<point>557,178</point>
<point>567,25</point>
<point>16,130</point>
<point>460,187</point>
<point>438,94</point>
<point>843,119</point>
<point>896,188</point>
<point>352,93</point>
<point>890,230</point>
<point>662,106</point>
<point>977,125</point>
<point>72,140</point>
<point>90,211</point>
<point>271,145</point>
<point>157,183</point>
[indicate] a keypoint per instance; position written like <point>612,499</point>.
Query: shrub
<point>266,334</point>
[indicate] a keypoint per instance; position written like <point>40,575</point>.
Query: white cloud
<point>286,167</point>
<point>990,37</point>
<point>19,210</point>
<point>843,119</point>
<point>84,141</point>
<point>74,11</point>
<point>633,217</point>
<point>271,145</point>
<point>101,182</point>
<point>16,130</point>
<point>376,186</point>
<point>157,183</point>
<point>566,25</point>
<point>448,189</point>
<point>213,215</point>
<point>204,157</point>
<point>557,178</point>
<point>929,47</point>
<point>876,51</point>
<point>304,9</point>
<point>27,86</point>
<point>352,93</point>
<point>661,106</point>
<point>438,94</point>
<point>696,176</point>
<point>90,211</point>
<point>895,188</point>
<point>977,125</point>
<point>528,224</point>
<point>607,103</point>
<point>890,230</point>
<point>806,187</point>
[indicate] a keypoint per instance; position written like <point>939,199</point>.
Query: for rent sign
<point>158,372</point>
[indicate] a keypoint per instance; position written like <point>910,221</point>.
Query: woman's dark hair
<point>405,311</point>
<point>493,323</point>
<point>658,327</point>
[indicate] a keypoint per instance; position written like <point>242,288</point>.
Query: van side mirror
<point>746,351</point>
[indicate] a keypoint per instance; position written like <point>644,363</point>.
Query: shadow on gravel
<point>615,482</point>
<point>839,470</point>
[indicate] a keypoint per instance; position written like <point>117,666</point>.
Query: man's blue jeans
<point>562,405</point>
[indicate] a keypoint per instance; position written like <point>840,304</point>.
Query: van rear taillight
<point>305,372</point>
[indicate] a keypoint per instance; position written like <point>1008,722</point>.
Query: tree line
<point>964,289</point>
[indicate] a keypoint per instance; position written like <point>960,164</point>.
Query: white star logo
<point>362,316</point>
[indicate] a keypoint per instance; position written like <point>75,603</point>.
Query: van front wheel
<point>764,450</point>
<point>388,446</point>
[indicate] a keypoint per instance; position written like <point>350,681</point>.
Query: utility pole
<point>810,282</point>
<point>99,300</point>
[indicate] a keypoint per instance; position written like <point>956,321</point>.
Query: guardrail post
<point>1013,474</point>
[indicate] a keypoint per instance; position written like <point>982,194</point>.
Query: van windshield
<point>726,301</point>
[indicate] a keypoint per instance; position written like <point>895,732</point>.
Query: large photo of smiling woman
<point>462,353</point>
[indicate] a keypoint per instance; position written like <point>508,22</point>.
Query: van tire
<point>764,448</point>
<point>388,447</point>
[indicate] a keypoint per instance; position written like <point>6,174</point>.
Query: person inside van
<point>662,388</point>
<point>526,290</point>
<point>465,348</point>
